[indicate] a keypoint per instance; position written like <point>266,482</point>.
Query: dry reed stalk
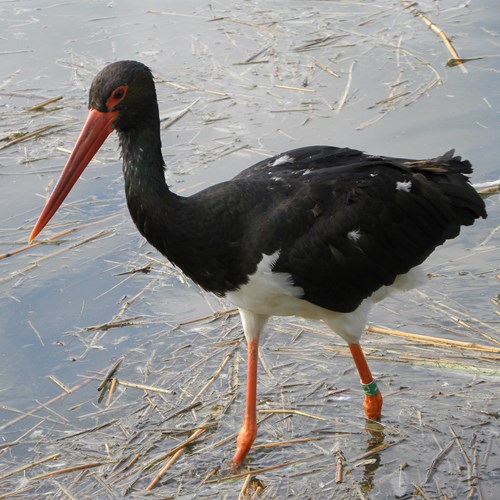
<point>36,332</point>
<point>246,23</point>
<point>298,440</point>
<point>89,239</point>
<point>176,452</point>
<point>68,469</point>
<point>24,137</point>
<point>181,114</point>
<point>56,236</point>
<point>192,88</point>
<point>149,388</point>
<point>29,466</point>
<point>326,68</point>
<point>289,87</point>
<point>65,491</point>
<point>111,373</point>
<point>466,458</point>
<point>435,462</point>
<point>243,494</point>
<point>59,383</point>
<point>112,389</point>
<point>127,466</point>
<point>19,272</point>
<point>213,316</point>
<point>42,406</point>
<point>295,412</point>
<point>456,59</point>
<point>343,97</point>
<point>420,491</point>
<point>375,450</point>
<point>43,104</point>
<point>340,460</point>
<point>114,323</point>
<point>227,357</point>
<point>264,469</point>
<point>457,344</point>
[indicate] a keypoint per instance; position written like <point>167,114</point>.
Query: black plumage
<point>314,231</point>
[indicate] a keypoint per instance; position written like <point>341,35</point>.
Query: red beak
<point>95,131</point>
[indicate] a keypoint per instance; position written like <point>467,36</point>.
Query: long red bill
<point>95,131</point>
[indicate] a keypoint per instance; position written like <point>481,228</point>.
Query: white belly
<point>274,294</point>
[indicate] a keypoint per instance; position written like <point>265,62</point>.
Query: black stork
<point>319,232</point>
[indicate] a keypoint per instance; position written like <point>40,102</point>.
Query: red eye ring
<point>116,96</point>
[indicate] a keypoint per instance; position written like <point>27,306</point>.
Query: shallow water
<point>238,66</point>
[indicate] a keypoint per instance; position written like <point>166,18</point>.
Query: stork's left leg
<point>253,325</point>
<point>373,397</point>
<point>248,430</point>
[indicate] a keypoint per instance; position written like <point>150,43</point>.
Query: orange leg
<point>248,430</point>
<point>373,397</point>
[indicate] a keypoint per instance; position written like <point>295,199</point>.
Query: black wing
<point>346,223</point>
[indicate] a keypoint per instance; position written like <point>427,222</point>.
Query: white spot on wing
<point>282,160</point>
<point>403,186</point>
<point>354,235</point>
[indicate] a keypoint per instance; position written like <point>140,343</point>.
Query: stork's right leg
<point>373,397</point>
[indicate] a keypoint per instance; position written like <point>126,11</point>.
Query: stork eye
<point>116,96</point>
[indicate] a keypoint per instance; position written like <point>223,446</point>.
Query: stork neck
<point>142,159</point>
<point>148,196</point>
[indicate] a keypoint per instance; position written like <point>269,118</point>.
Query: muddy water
<point>253,76</point>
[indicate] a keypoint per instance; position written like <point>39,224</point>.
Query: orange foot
<point>373,404</point>
<point>244,442</point>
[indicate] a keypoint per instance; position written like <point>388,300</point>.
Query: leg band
<point>370,389</point>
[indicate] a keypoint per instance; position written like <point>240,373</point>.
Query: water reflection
<point>375,440</point>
